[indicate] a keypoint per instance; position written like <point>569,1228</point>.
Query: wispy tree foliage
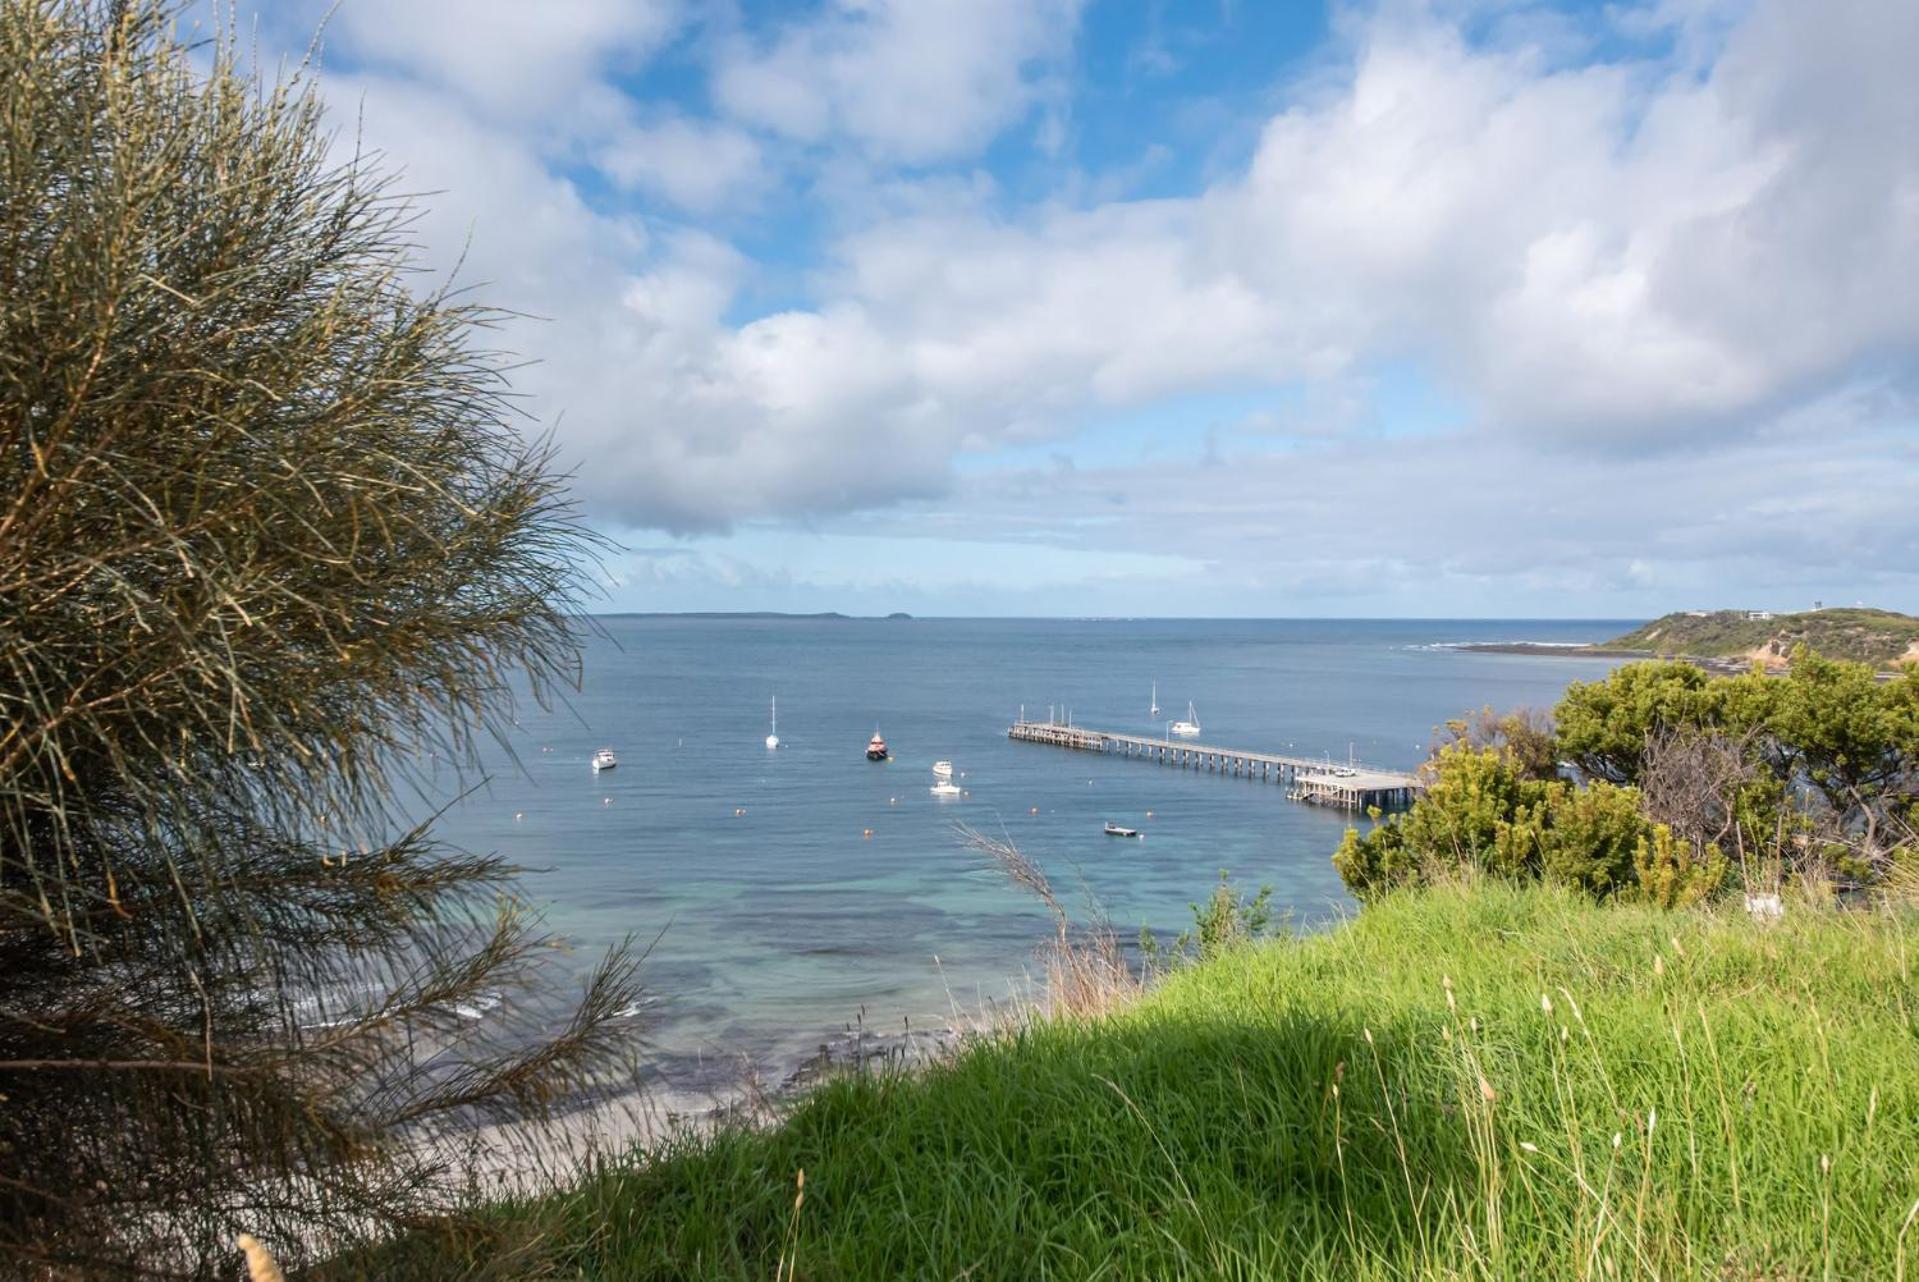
<point>268,538</point>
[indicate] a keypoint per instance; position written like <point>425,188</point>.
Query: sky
<point>1438,308</point>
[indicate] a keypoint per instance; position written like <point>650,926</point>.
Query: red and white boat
<point>876,747</point>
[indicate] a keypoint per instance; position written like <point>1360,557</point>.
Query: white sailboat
<point>1154,710</point>
<point>773,739</point>
<point>1189,728</point>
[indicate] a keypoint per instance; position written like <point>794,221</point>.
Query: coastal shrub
<point>1715,790</point>
<point>1479,814</point>
<point>1670,875</point>
<point>1523,736</point>
<point>1602,727</point>
<point>1838,730</point>
<point>1479,811</point>
<point>1853,738</point>
<point>268,537</point>
<point>1589,836</point>
<point>1227,918</point>
<point>1678,777</point>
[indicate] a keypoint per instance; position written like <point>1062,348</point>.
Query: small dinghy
<point>1114,830</point>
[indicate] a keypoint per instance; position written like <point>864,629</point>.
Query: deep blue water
<point>778,918</point>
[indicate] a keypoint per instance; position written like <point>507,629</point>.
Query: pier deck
<point>1312,779</point>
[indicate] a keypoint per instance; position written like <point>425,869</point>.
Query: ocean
<point>787,895</point>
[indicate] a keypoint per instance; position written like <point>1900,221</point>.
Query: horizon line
<point>905,617</point>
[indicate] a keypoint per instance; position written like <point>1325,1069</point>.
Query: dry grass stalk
<point>260,1265</point>
<point>1085,969</point>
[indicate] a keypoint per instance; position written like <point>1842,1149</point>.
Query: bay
<point>787,894</point>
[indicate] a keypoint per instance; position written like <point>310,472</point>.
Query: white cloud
<point>1624,256</point>
<point>698,165</point>
<point>913,80</point>
<point>1816,504</point>
<point>1599,261</point>
<point>509,57</point>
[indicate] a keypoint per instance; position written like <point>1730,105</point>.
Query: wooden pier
<point>1311,780</point>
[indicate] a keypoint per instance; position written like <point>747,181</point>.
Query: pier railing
<point>1312,780</point>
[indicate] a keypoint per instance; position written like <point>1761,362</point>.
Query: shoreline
<point>636,1121</point>
<point>1726,666</point>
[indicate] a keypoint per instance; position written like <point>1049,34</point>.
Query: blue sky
<point>1416,307</point>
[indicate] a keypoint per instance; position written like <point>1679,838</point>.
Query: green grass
<point>1705,1097</point>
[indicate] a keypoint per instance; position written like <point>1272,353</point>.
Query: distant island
<point>1738,638</point>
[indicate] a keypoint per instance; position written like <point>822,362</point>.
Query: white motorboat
<point>876,747</point>
<point>1189,728</point>
<point>943,769</point>
<point>773,738</point>
<point>604,760</point>
<point>946,788</point>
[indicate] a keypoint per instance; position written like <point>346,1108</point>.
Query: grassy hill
<point>1481,1082</point>
<point>1870,636</point>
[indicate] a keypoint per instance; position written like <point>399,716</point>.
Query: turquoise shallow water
<point>783,922</point>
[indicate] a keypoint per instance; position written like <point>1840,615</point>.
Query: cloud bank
<point>1667,262</point>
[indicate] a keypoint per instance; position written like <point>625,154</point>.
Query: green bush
<point>1816,770</point>
<point>1227,919</point>
<point>1588,836</point>
<point>1669,875</point>
<point>1603,726</point>
<point>1479,814</point>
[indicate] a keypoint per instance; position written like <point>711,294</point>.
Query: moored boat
<point>604,759</point>
<point>876,747</point>
<point>943,769</point>
<point>1114,830</point>
<point>1189,728</point>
